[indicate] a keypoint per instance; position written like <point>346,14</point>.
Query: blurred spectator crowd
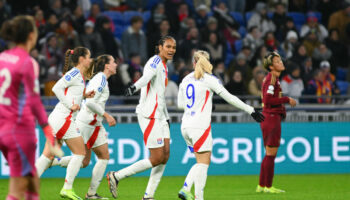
<point>312,36</point>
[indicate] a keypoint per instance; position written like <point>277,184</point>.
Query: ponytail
<point>72,58</point>
<point>98,65</point>
<point>202,64</point>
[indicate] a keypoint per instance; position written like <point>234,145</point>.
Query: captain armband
<point>271,89</point>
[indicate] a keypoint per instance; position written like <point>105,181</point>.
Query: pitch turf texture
<point>305,187</point>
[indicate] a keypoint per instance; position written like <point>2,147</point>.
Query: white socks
<point>189,178</point>
<point>72,170</point>
<point>135,168</point>
<point>200,179</point>
<point>156,175</point>
<point>97,174</point>
<point>42,164</point>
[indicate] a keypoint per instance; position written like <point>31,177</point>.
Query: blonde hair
<point>202,64</point>
<point>268,60</point>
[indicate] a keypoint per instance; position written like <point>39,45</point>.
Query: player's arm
<point>268,92</point>
<point>218,88</point>
<point>180,98</point>
<point>59,88</point>
<point>148,73</point>
<point>98,85</point>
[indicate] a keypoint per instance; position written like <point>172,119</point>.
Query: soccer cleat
<point>69,194</point>
<point>259,189</point>
<point>112,184</point>
<point>148,198</point>
<point>185,195</point>
<point>273,190</point>
<point>94,196</point>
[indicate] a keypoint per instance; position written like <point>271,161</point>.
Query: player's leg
<point>186,189</point>
<point>271,143</point>
<point>86,132</point>
<point>19,151</point>
<point>157,171</point>
<point>45,160</point>
<point>202,146</point>
<point>33,188</point>
<point>200,178</point>
<point>76,145</point>
<point>98,171</point>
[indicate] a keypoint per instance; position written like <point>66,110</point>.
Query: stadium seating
<point>129,14</point>
<point>229,54</point>
<point>238,46</point>
<point>238,17</point>
<point>341,74</point>
<point>243,31</point>
<point>151,3</point>
<point>298,18</point>
<point>117,17</point>
<point>248,15</point>
<point>343,87</point>
<point>99,2</point>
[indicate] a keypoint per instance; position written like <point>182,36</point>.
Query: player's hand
<point>130,90</point>
<point>75,107</point>
<point>110,119</point>
<point>292,102</point>
<point>54,147</point>
<point>258,117</point>
<point>168,121</point>
<point>90,94</point>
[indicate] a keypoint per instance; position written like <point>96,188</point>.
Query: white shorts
<point>63,126</point>
<point>198,140</point>
<point>154,131</point>
<point>93,136</point>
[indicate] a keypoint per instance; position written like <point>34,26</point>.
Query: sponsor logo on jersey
<point>160,140</point>
<point>68,78</point>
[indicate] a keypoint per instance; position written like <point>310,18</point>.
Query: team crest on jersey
<point>78,131</point>
<point>153,65</point>
<point>100,89</point>
<point>68,78</point>
<point>193,113</point>
<point>160,140</point>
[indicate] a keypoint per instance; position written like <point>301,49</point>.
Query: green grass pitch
<point>318,187</point>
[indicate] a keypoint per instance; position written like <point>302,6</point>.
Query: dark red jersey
<point>272,100</point>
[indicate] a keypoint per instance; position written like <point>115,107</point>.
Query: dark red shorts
<point>271,129</point>
<point>19,151</point>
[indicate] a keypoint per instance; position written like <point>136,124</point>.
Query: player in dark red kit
<point>274,112</point>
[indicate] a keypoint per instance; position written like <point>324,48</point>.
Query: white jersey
<point>195,97</point>
<point>69,90</point>
<point>152,84</point>
<point>93,108</point>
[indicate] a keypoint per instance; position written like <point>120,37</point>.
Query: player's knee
<point>85,163</point>
<point>157,161</point>
<point>166,157</point>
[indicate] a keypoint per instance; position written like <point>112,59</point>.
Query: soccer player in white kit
<point>195,97</point>
<point>153,119</point>
<point>89,121</point>
<point>70,90</point>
